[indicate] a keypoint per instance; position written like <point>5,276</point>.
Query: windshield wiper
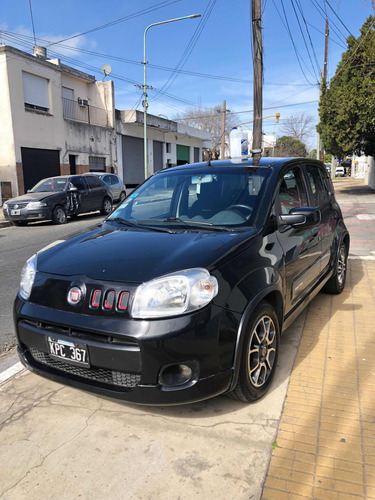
<point>129,223</point>
<point>198,224</point>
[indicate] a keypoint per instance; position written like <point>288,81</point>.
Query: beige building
<point>55,120</point>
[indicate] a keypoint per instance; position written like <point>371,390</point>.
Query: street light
<point>145,105</point>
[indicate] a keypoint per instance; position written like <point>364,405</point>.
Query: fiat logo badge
<point>74,295</point>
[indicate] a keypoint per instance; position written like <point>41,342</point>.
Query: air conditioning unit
<point>82,102</point>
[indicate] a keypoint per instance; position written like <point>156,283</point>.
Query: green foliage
<point>347,106</point>
<point>289,146</point>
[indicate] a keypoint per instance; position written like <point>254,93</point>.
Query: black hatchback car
<point>56,198</point>
<point>182,293</point>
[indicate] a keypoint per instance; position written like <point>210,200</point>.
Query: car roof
<point>98,173</point>
<point>267,162</point>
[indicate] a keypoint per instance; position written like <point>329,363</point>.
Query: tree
<point>210,121</point>
<point>289,146</point>
<point>347,105</point>
<point>300,126</point>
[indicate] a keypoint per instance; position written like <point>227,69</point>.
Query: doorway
<point>72,164</point>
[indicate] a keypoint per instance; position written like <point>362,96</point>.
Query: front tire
<point>122,197</point>
<point>106,206</point>
<point>19,222</point>
<point>259,354</point>
<point>59,215</point>
<point>336,284</point>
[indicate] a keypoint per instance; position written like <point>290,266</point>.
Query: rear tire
<point>59,215</point>
<point>259,354</point>
<point>106,206</point>
<point>336,284</point>
<point>122,197</point>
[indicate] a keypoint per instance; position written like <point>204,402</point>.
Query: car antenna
<point>209,160</point>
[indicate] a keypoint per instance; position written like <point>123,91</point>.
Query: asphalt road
<point>17,244</point>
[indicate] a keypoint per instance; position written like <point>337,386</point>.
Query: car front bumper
<point>128,366</point>
<point>42,213</point>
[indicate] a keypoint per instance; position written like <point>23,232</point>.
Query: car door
<point>80,183</point>
<point>320,198</point>
<point>107,179</point>
<point>97,191</point>
<point>115,187</point>
<point>301,246</point>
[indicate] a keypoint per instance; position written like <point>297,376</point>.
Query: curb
<point>5,223</point>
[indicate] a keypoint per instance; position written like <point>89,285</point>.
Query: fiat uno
<point>182,293</point>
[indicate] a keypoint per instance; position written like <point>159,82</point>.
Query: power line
<point>329,5</point>
<point>333,25</point>
<point>304,40</point>
<point>190,46</point>
<point>154,66</point>
<point>308,33</point>
<point>249,110</point>
<point>157,6</point>
<point>322,33</point>
<point>286,25</point>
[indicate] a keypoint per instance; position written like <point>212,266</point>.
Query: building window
<point>97,163</point>
<point>168,147</point>
<point>35,92</point>
<point>68,102</point>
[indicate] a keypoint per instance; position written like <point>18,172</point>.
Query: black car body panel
<point>265,259</point>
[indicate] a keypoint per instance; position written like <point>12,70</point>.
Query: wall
<point>370,172</point>
<point>7,153</point>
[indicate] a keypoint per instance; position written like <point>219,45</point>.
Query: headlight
<point>5,206</point>
<point>174,294</point>
<point>35,204</point>
<point>27,277</point>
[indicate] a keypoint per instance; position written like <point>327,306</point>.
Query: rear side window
<point>79,182</point>
<point>292,192</point>
<point>114,180</point>
<point>93,182</point>
<point>318,189</point>
<point>107,179</point>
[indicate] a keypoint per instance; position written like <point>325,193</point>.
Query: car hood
<point>33,197</point>
<point>135,256</point>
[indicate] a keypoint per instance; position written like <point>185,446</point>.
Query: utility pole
<point>320,152</point>
<point>256,15</point>
<point>224,111</point>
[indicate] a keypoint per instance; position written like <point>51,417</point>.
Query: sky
<point>218,44</point>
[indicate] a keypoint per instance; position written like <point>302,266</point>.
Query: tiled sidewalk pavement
<point>325,448</point>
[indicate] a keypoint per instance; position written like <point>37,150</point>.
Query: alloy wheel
<point>60,215</point>
<point>341,266</point>
<point>262,351</point>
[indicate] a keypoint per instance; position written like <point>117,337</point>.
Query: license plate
<point>68,351</point>
<point>15,212</point>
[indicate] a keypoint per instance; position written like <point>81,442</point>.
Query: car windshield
<point>205,198</point>
<point>49,185</point>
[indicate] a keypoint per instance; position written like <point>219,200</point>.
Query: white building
<point>55,120</point>
<point>168,144</point>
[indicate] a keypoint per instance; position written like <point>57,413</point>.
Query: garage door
<point>37,164</point>
<point>183,154</point>
<point>158,155</point>
<point>132,161</point>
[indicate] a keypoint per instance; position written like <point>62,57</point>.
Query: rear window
<point>93,182</point>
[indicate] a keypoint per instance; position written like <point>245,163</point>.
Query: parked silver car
<point>116,186</point>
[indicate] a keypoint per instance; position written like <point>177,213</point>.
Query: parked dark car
<point>182,293</point>
<point>116,186</point>
<point>56,198</point>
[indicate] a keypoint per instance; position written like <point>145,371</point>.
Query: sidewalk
<point>325,443</point>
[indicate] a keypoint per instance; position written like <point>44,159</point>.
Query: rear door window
<point>292,191</point>
<point>93,182</point>
<point>318,189</point>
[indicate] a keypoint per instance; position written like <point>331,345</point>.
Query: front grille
<point>101,375</point>
<point>17,206</point>
<point>83,334</point>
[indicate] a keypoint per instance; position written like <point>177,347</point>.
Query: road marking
<point>366,217</point>
<point>11,371</point>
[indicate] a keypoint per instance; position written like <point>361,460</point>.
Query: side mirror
<point>72,189</point>
<point>28,191</point>
<point>301,217</point>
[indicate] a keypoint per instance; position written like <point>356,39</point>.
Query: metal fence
<point>86,114</point>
